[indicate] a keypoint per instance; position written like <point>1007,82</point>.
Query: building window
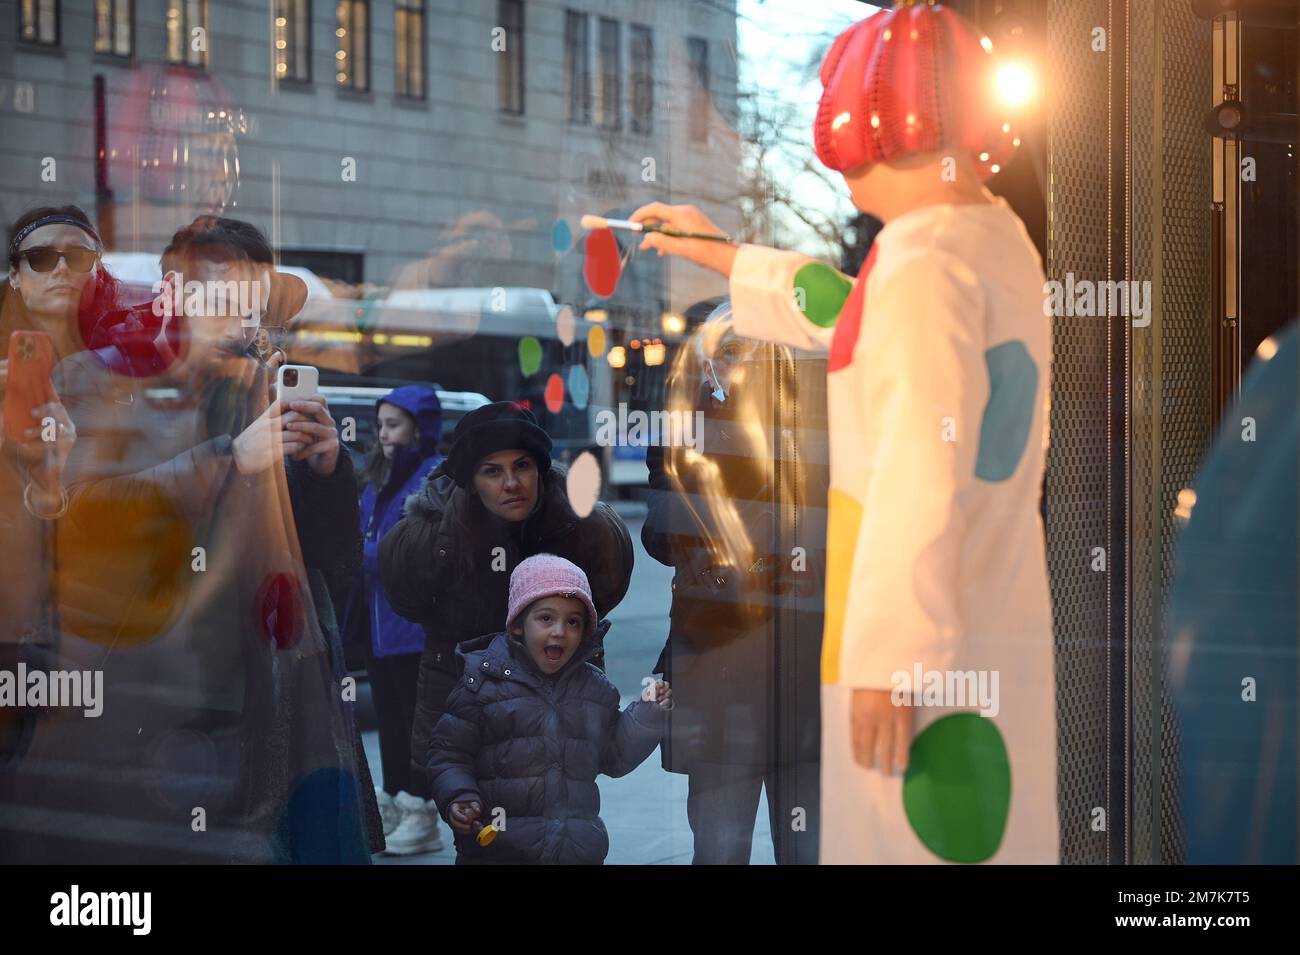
<point>113,26</point>
<point>577,67</point>
<point>642,50</point>
<point>293,40</point>
<point>697,50</point>
<point>38,22</point>
<point>352,58</point>
<point>349,267</point>
<point>409,53</point>
<point>610,115</point>
<point>510,61</point>
<point>184,17</point>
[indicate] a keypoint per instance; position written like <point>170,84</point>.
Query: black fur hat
<point>495,427</point>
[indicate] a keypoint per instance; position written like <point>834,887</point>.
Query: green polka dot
<point>530,355</point>
<point>819,292</point>
<point>957,791</point>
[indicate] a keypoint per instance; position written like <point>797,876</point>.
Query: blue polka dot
<point>1013,390</point>
<point>322,824</point>
<point>578,386</point>
<point>561,236</point>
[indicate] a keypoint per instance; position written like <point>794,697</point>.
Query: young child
<point>532,723</point>
<point>938,377</point>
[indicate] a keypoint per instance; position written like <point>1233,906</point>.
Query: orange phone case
<point>31,362</point>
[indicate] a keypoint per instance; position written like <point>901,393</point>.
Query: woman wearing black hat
<point>496,500</point>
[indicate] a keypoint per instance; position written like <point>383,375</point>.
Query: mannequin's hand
<point>881,731</point>
<point>717,256</point>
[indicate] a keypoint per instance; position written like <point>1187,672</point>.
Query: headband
<point>31,227</point>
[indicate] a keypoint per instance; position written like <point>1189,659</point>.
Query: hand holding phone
<point>36,420</point>
<point>296,382</point>
<point>31,363</point>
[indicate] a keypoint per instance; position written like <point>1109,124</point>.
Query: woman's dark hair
<point>101,295</point>
<point>376,470</point>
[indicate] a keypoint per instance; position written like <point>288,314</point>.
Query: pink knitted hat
<point>546,575</point>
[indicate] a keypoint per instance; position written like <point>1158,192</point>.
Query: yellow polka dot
<point>596,341</point>
<point>843,522</point>
<point>124,567</point>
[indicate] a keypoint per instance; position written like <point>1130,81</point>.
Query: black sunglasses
<point>46,258</point>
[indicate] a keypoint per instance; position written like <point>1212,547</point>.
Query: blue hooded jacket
<point>389,633</point>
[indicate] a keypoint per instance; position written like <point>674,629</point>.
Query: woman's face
<point>53,295</point>
<point>506,483</point>
<point>728,364</point>
<point>396,429</point>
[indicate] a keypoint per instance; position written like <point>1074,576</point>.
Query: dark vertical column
<point>103,194</point>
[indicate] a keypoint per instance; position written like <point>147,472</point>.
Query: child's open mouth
<point>554,653</point>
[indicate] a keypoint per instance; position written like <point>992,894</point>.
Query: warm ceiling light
<point>673,324</point>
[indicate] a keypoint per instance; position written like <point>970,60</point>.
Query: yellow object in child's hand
<point>486,835</point>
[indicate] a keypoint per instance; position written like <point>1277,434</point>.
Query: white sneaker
<point>389,814</point>
<point>418,829</point>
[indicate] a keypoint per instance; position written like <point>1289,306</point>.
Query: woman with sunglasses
<point>56,281</point>
<point>55,276</point>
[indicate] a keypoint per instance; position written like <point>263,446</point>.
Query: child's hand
<point>664,695</point>
<point>463,815</point>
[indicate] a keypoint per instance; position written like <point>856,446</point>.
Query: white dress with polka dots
<point>938,393</point>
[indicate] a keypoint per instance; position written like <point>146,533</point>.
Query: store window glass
<point>339,365</point>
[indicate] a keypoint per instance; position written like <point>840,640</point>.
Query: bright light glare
<point>1015,84</point>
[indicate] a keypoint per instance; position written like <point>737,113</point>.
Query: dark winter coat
<point>381,509</point>
<point>438,569</point>
<point>743,646</point>
<point>532,745</point>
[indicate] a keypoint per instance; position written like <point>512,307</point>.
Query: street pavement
<point>645,811</point>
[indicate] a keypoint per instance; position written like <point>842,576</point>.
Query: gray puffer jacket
<point>532,745</point>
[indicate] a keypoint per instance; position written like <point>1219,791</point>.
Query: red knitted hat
<point>915,79</point>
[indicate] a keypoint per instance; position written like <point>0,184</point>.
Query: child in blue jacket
<point>409,425</point>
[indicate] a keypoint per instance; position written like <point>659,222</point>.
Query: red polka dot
<point>280,610</point>
<point>125,338</point>
<point>554,394</point>
<point>601,264</point>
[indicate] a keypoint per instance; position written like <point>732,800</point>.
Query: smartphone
<point>295,382</point>
<point>31,362</point>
